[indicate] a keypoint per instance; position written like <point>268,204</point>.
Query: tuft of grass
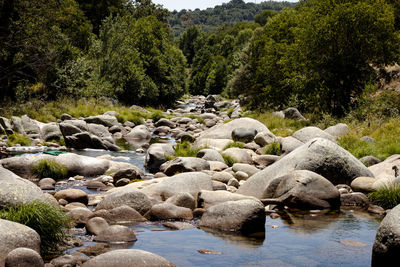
<point>48,168</point>
<point>123,144</point>
<point>130,115</point>
<point>387,197</point>
<point>185,149</point>
<point>49,221</point>
<point>16,138</point>
<point>273,149</point>
<point>156,115</point>
<point>228,160</point>
<point>194,117</point>
<point>234,144</point>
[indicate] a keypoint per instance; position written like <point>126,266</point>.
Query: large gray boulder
<point>311,132</point>
<point>128,258</point>
<point>15,191</point>
<point>50,131</point>
<point>318,155</point>
<point>224,131</point>
<point>155,156</point>
<point>244,134</point>
<point>30,126</point>
<point>126,196</point>
<point>14,235</point>
<point>116,233</point>
<point>207,198</point>
<point>138,136</point>
<point>169,211</point>
<point>293,113</point>
<point>105,120</point>
<point>17,125</point>
<point>76,164</point>
<point>210,155</point>
<point>184,164</point>
<point>302,189</point>
<point>387,168</point>
<point>245,216</point>
<point>288,144</point>
<point>190,182</point>
<point>386,248</point>
<point>339,129</point>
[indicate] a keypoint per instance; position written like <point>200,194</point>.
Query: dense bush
<point>47,220</point>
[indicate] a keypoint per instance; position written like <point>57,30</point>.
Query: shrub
<point>48,168</point>
<point>157,115</point>
<point>16,138</point>
<point>387,197</point>
<point>47,220</point>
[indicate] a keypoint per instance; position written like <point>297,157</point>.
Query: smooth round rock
<point>23,257</point>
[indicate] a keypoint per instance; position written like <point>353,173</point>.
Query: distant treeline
<point>233,12</point>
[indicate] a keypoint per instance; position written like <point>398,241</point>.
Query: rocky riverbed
<point>116,198</point>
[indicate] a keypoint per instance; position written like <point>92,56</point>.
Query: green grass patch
<point>278,126</point>
<point>156,115</point>
<point>195,117</point>
<point>123,144</point>
<point>234,144</point>
<point>48,168</point>
<point>228,160</point>
<point>273,149</point>
<point>49,221</point>
<point>185,149</point>
<point>16,138</point>
<point>387,197</point>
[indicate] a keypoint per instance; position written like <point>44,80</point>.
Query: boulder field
<point>227,184</point>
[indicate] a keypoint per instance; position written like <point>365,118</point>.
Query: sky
<point>193,4</point>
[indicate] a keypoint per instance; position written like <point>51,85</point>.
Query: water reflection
<point>253,240</point>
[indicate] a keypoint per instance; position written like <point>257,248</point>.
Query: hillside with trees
<point>232,12</point>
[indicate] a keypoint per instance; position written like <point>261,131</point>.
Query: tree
<point>263,17</point>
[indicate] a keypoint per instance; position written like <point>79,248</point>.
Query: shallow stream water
<point>295,239</point>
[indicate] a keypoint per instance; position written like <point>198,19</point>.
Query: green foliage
<point>195,117</point>
<point>47,220</point>
<point>185,149</point>
<point>387,197</point>
<point>234,144</point>
<point>157,115</point>
<point>49,168</point>
<point>273,149</point>
<point>123,144</point>
<point>16,138</point>
<point>263,17</point>
<point>233,12</point>
<point>228,160</point>
<point>317,57</point>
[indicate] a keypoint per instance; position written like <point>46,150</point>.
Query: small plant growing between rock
<point>185,149</point>
<point>49,221</point>
<point>49,168</point>
<point>387,197</point>
<point>273,149</point>
<point>234,144</point>
<point>16,138</point>
<point>228,160</point>
<point>157,115</point>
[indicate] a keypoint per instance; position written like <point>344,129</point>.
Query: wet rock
<point>184,164</point>
<point>244,216</point>
<point>73,195</point>
<point>238,155</point>
<point>308,133</point>
<point>185,200</point>
<point>356,199</point>
<point>207,251</point>
<point>20,257</point>
<point>116,233</point>
<point>178,225</point>
<point>127,258</point>
<point>318,155</point>
<point>302,189</point>
<point>155,156</point>
<point>210,155</point>
<point>168,211</point>
<point>387,241</point>
<point>208,198</point>
<point>126,196</point>
<point>122,214</point>
<point>243,134</point>
<point>47,184</point>
<point>14,235</point>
